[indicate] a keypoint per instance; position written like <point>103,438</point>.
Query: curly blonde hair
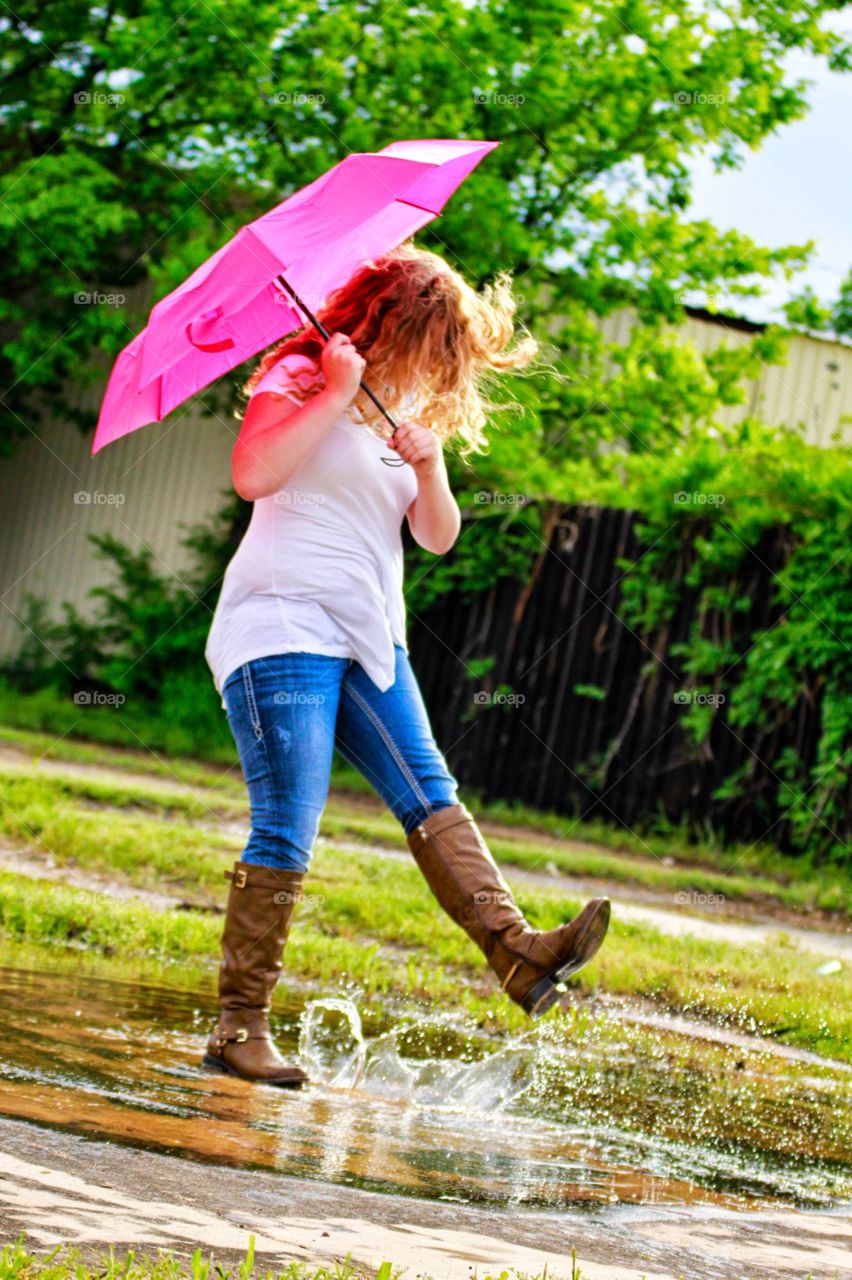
<point>423,332</point>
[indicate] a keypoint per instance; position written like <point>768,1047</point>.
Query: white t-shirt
<point>320,566</point>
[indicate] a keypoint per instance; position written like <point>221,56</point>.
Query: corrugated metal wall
<point>145,489</point>
<point>813,389</point>
<point>173,476</point>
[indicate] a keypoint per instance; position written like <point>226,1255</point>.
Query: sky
<point>797,187</point>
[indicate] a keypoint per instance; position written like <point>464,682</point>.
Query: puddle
<point>581,1111</point>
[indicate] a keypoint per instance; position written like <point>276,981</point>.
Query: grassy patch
<point>149,852</point>
<point>371,922</point>
<point>800,887</point>
<point>370,919</point>
<point>207,798</point>
<point>662,860</point>
<point>66,1263</point>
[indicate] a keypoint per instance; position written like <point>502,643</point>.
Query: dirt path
<point>60,1188</point>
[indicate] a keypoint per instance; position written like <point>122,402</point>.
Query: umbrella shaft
<point>324,332</point>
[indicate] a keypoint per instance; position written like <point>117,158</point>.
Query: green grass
<point>165,855</point>
<point>65,1263</point>
<point>371,919</point>
<point>762,876</point>
<point>47,721</point>
<point>372,922</point>
<point>131,754</point>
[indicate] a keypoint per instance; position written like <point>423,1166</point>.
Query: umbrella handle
<point>321,328</point>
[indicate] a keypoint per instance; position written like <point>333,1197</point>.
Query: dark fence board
<point>625,757</point>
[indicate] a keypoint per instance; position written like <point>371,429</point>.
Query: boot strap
<point>425,835</point>
<point>240,1036</point>
<point>510,975</point>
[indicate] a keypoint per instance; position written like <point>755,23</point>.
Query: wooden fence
<point>580,715</point>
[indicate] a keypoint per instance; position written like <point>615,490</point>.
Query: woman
<point>307,644</point>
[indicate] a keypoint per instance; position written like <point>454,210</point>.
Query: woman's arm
<point>277,435</point>
<point>433,517</point>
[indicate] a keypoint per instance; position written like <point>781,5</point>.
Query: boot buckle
<point>241,1036</point>
<point>240,878</point>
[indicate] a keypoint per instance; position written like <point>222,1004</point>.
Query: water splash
<point>331,1043</point>
<point>335,1052</point>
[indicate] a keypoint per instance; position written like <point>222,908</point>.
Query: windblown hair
<point>423,332</point>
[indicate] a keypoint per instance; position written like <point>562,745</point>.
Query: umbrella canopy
<point>232,307</point>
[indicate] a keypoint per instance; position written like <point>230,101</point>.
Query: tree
<point>806,310</point>
<point>135,138</point>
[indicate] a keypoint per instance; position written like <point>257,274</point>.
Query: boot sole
<point>211,1063</point>
<point>545,993</point>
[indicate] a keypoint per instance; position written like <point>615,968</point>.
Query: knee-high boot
<point>257,921</point>
<point>460,871</point>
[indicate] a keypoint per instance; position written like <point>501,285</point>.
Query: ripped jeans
<point>287,714</point>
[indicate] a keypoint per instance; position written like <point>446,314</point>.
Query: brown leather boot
<point>465,879</point>
<point>257,922</point>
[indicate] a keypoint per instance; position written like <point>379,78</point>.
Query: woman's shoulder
<point>296,361</point>
<point>293,369</point>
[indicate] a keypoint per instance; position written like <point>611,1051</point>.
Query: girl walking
<point>308,646</point>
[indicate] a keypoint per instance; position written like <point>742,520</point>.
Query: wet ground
<point>591,1128</point>
<point>659,1146</point>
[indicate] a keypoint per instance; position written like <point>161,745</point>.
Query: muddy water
<point>583,1110</point>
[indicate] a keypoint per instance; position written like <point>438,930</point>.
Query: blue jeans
<point>287,714</point>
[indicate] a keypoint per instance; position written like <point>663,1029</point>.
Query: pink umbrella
<point>238,302</point>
